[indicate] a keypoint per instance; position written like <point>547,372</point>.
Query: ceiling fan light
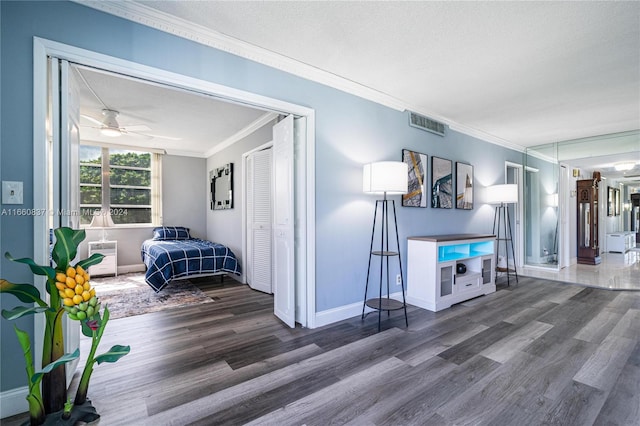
<point>110,132</point>
<point>110,126</point>
<point>627,165</point>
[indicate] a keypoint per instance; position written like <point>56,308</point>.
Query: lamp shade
<point>507,193</point>
<point>101,219</point>
<point>391,177</point>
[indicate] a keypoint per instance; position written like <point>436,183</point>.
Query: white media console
<point>433,280</point>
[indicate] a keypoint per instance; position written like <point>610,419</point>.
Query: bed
<point>172,254</point>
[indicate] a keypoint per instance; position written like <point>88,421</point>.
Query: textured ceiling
<point>526,73</point>
<point>517,73</point>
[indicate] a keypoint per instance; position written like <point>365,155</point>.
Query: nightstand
<point>109,264</point>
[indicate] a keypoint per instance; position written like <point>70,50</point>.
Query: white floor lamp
<point>501,195</point>
<point>385,177</point>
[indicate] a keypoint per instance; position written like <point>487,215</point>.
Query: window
<point>123,182</point>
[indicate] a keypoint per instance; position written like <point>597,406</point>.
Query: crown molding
<point>145,15</point>
<point>243,133</point>
<point>479,134</point>
<point>150,17</point>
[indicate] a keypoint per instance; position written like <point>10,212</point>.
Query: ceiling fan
<point>110,127</point>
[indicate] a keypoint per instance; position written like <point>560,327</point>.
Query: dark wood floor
<point>540,352</point>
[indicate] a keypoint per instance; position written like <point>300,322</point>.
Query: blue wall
<point>350,131</point>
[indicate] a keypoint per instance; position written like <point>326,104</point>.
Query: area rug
<point>129,295</point>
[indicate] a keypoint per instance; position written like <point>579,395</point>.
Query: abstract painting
<point>441,183</point>
<point>464,186</point>
<point>417,194</point>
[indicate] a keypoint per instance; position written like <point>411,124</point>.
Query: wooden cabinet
<point>434,281</point>
<point>588,245</point>
<point>109,264</point>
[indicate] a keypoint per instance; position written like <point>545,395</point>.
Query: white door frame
<point>519,237</point>
<point>564,234</point>
<point>305,188</point>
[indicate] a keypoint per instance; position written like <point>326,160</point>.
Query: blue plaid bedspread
<point>167,260</point>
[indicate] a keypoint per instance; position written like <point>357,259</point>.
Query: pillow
<point>171,233</point>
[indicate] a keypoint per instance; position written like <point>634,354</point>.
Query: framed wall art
<point>417,195</point>
<point>221,187</point>
<point>611,200</point>
<point>441,183</point>
<point>464,186</point>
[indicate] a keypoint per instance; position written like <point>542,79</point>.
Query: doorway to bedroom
<point>303,268</point>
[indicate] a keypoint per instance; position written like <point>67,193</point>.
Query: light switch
<point>11,192</point>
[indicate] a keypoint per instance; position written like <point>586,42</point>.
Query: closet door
<point>259,212</point>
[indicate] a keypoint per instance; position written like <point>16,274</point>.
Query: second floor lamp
<point>501,195</point>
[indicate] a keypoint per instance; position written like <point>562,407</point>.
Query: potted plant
<point>69,293</point>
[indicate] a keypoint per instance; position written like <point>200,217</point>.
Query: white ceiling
<point>516,73</point>
<point>158,116</point>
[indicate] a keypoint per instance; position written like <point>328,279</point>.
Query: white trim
<point>145,15</point>
<point>483,135</point>
<point>243,133</point>
<point>520,209</point>
<point>258,148</point>
<point>122,66</point>
<point>40,190</point>
<point>341,313</point>
<point>308,151</point>
<point>530,151</point>
<point>14,401</point>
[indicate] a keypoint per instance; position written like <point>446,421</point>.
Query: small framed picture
<point>464,186</point>
<point>441,183</point>
<point>417,194</point>
<point>611,201</point>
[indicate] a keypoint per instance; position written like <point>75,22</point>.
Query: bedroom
<point>193,135</point>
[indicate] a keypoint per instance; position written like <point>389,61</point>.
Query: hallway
<point>616,271</point>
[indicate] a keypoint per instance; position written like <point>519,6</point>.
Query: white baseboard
<point>13,402</point>
<point>340,313</point>
<point>126,269</point>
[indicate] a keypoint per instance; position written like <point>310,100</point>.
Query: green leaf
<point>20,311</point>
<point>115,353</point>
<point>62,360</point>
<point>23,338</point>
<point>35,268</point>
<point>93,260</point>
<point>24,292</point>
<point>66,246</point>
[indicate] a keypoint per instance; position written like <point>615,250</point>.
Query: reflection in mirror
<point>221,187</point>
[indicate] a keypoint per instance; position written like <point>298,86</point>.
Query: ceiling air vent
<point>425,123</point>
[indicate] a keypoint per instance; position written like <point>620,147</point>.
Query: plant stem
<point>54,384</point>
<point>34,398</point>
<point>83,386</point>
